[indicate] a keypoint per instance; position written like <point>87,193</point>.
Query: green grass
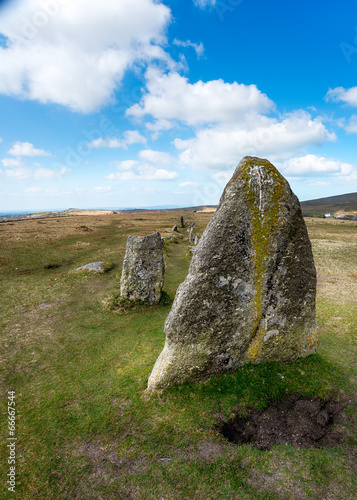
<point>86,429</point>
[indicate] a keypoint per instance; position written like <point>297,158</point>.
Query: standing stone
<point>182,223</point>
<point>143,269</point>
<point>191,236</point>
<point>249,295</point>
<point>175,228</point>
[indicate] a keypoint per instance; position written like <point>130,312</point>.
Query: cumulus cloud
<point>198,47</point>
<point>351,126</point>
<point>312,165</point>
<point>76,53</point>
<point>129,137</point>
<point>26,149</point>
<point>221,147</point>
<point>171,97</point>
<point>11,162</point>
<point>158,158</point>
<point>340,94</point>
<point>130,170</point>
<point>18,173</point>
<point>15,169</point>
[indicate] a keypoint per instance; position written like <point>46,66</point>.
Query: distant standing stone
<point>192,236</point>
<point>182,223</point>
<point>249,295</point>
<point>143,269</point>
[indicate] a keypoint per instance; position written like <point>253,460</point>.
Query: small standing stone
<point>182,223</point>
<point>143,269</point>
<point>175,228</point>
<point>249,295</point>
<point>191,236</point>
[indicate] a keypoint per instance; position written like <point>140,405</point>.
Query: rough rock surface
<point>143,269</point>
<point>249,295</point>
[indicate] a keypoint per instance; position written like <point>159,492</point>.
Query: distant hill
<point>335,205</point>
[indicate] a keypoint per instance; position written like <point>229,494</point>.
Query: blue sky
<point>131,103</point>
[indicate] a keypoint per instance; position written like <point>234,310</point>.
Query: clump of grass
<point>115,303</point>
<point>107,266</point>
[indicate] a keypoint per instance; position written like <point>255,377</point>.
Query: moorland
<point>79,365</point>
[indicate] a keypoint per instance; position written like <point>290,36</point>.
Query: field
<point>85,427</point>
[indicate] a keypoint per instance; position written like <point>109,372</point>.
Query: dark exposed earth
<point>299,421</point>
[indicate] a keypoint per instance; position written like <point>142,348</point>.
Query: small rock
<point>93,266</point>
<point>175,228</point>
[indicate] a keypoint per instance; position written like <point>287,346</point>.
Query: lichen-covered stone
<point>249,295</point>
<point>143,269</point>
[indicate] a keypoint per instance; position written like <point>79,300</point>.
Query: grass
<point>85,427</point>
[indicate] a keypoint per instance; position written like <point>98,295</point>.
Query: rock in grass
<point>93,266</point>
<point>249,295</point>
<point>143,269</point>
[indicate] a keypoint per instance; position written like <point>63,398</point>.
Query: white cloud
<point>188,184</point>
<point>198,47</point>
<point>129,137</point>
<point>340,94</point>
<point>26,149</point>
<point>312,165</point>
<point>135,170</point>
<point>351,126</point>
<point>158,126</point>
<point>172,97</point>
<point>76,55</point>
<point>158,158</point>
<point>221,147</point>
<point>204,3</point>
<point>11,162</point>
<point>18,173</point>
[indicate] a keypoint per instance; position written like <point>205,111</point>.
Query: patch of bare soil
<point>298,421</point>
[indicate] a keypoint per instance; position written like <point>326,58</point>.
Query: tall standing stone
<point>143,269</point>
<point>249,295</point>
